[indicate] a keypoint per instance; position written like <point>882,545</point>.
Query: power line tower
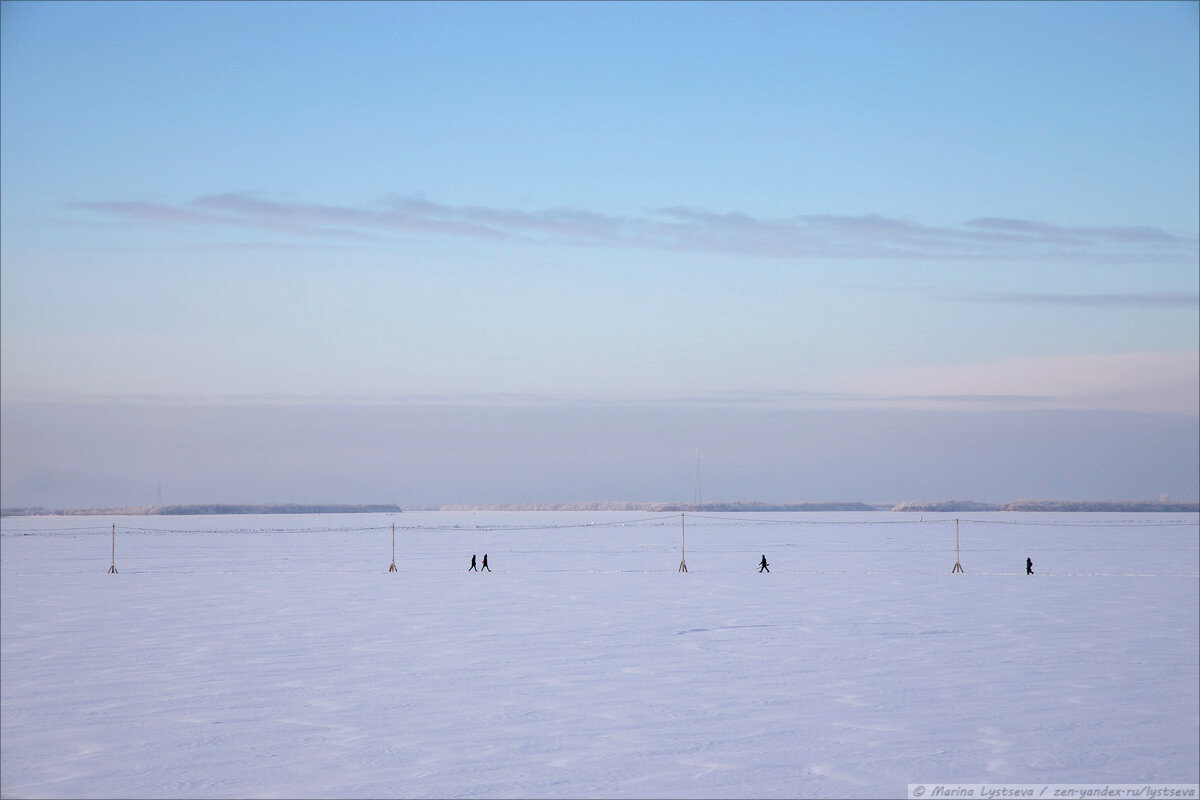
<point>697,497</point>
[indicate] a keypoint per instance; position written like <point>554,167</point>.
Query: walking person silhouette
<point>485,566</point>
<point>473,569</point>
<point>1029,566</point>
<point>763,565</point>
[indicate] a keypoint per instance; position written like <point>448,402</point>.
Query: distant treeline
<point>1127,506</point>
<point>216,508</point>
<point>1122,506</point>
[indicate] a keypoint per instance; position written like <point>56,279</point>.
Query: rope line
<point>610,524</point>
<point>823,522</point>
<point>255,530</point>
<point>16,531</point>
<point>1123,523</point>
<point>1116,523</point>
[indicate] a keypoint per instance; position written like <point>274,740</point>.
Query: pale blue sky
<point>966,207</point>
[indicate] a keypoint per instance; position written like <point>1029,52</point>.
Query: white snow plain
<point>251,656</point>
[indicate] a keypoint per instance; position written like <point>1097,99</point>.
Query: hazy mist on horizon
<point>115,454</point>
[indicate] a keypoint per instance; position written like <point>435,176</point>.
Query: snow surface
<point>230,662</point>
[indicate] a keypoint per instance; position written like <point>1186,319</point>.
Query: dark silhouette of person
<point>485,566</point>
<point>473,569</point>
<point>1029,566</point>
<point>763,564</point>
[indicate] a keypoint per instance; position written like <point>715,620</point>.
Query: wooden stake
<point>113,569</point>
<point>392,568</point>
<point>957,565</point>
<point>682,543</point>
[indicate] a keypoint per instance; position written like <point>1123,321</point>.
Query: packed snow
<point>276,656</point>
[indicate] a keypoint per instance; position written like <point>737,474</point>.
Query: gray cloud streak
<point>1153,300</point>
<point>817,236</point>
<point>747,399</point>
<point>1041,231</point>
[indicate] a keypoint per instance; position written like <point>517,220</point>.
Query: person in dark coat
<point>763,564</point>
<point>473,568</point>
<point>1029,566</point>
<point>485,566</point>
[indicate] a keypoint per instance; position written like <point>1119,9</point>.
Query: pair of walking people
<point>479,569</point>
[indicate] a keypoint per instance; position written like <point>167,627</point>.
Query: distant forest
<point>945,505</point>
<point>1121,506</point>
<point>1124,506</point>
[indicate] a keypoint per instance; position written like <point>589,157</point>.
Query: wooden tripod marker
<point>682,543</point>
<point>392,568</point>
<point>113,569</point>
<point>957,565</point>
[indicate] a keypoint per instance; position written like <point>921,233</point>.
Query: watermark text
<point>1055,791</point>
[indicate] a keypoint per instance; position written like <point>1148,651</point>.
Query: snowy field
<point>254,656</point>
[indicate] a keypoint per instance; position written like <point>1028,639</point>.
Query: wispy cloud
<point>156,213</point>
<point>824,236</point>
<point>749,399</point>
<point>1023,229</point>
<point>1152,300</point>
<point>315,219</point>
<point>831,399</point>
